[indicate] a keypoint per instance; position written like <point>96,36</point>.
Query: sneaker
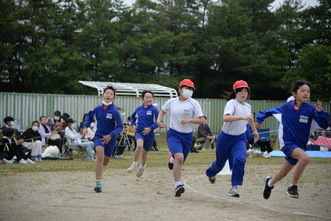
<point>171,162</point>
<point>292,191</point>
<point>141,171</point>
<point>30,161</point>
<point>40,159</point>
<point>234,192</point>
<point>179,190</point>
<point>22,161</point>
<point>250,153</point>
<point>98,187</point>
<point>265,155</point>
<point>5,161</point>
<point>132,168</point>
<point>212,179</point>
<point>267,189</point>
<point>268,154</point>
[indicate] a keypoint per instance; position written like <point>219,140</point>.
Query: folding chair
<point>265,136</point>
<point>69,150</point>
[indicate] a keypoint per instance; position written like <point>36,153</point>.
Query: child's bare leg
<point>286,168</point>
<point>100,160</point>
<point>304,159</point>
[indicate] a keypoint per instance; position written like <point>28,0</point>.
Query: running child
<point>184,112</point>
<point>297,119</point>
<point>108,124</point>
<point>231,142</point>
<point>144,119</point>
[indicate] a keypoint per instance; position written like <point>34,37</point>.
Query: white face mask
<point>187,93</point>
<point>12,124</point>
<point>92,124</point>
<point>56,118</point>
<point>105,103</point>
<point>35,128</point>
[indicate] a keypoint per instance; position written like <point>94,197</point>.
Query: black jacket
<point>29,134</point>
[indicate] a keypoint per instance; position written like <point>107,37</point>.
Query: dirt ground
<point>70,196</point>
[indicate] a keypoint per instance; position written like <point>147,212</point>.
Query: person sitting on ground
<point>263,142</point>
<point>74,139</point>
<point>11,148</point>
<point>32,141</point>
<point>205,135</point>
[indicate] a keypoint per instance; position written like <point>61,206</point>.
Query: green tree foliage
<point>47,46</point>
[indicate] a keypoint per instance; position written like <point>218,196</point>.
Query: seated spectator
<point>12,148</point>
<point>3,154</point>
<point>10,123</point>
<point>130,131</point>
<point>74,139</point>
<point>32,141</point>
<point>64,117</point>
<point>57,137</point>
<point>90,131</point>
<point>205,135</point>
<point>264,144</point>
<point>44,130</point>
<point>56,119</point>
<point>81,125</point>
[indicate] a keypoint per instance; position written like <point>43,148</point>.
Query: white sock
<point>269,185</point>
<point>177,183</point>
<point>135,163</point>
<point>98,181</point>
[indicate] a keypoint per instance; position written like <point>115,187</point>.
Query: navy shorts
<point>148,140</point>
<point>288,150</point>
<point>179,142</point>
<point>109,147</point>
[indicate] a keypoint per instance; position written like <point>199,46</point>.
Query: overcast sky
<point>276,2</point>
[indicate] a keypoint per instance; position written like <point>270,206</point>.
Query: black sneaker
<point>267,189</point>
<point>292,191</point>
<point>212,179</point>
<point>179,190</point>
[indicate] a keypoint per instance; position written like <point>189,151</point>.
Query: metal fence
<point>25,108</point>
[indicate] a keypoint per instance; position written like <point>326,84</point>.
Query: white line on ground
<point>237,201</point>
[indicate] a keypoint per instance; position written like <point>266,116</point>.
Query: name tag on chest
<point>109,116</point>
<point>149,112</point>
<point>303,119</point>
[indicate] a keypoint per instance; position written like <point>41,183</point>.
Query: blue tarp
<point>319,154</point>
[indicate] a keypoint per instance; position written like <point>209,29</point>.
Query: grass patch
<point>155,159</point>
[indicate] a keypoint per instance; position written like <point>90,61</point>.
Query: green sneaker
<point>98,187</point>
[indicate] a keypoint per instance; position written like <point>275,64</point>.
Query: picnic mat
<point>318,154</point>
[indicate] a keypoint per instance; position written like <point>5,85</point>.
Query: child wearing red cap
<point>184,112</point>
<point>231,142</point>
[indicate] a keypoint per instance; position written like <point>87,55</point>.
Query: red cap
<point>239,84</point>
<point>187,82</point>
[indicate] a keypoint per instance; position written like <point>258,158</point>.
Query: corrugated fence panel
<point>28,107</point>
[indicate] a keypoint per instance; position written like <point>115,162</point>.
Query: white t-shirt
<point>233,107</point>
<point>180,110</point>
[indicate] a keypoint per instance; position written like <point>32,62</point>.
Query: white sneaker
<point>5,161</point>
<point>265,155</point>
<point>141,171</point>
<point>29,161</point>
<point>132,168</point>
<point>234,192</point>
<point>22,161</point>
<point>250,153</point>
<point>269,156</point>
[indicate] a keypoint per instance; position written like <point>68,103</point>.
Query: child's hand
<point>319,106</point>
